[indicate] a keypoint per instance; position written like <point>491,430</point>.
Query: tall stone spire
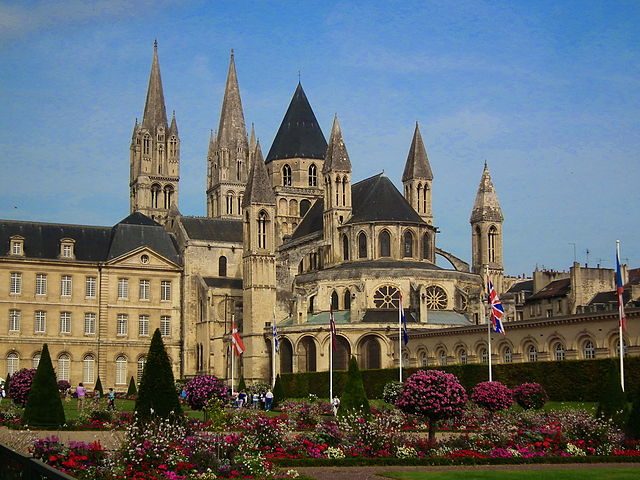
<point>487,206</point>
<point>258,190</point>
<point>232,132</point>
<point>155,113</point>
<point>336,159</point>
<point>417,165</point>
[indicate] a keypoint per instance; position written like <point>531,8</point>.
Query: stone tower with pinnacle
<point>486,231</point>
<point>259,268</point>
<point>336,174</point>
<point>417,178</point>
<point>155,154</point>
<point>228,157</point>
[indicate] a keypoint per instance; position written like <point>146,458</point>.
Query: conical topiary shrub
<point>98,387</point>
<point>132,390</point>
<point>157,396</point>
<point>278,392</point>
<point>242,385</point>
<point>633,423</point>
<point>354,398</point>
<point>7,385</point>
<point>613,401</point>
<point>44,406</point>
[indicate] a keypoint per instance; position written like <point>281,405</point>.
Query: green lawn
<point>122,405</point>
<point>547,474</point>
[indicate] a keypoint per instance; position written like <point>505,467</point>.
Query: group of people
<point>81,395</point>
<point>256,400</point>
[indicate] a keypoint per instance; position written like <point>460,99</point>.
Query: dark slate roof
<point>526,285</point>
<point>417,165</point>
<point>223,282</point>
<point>92,243</point>
<point>312,221</point>
<point>376,199</point>
<point>201,228</point>
<point>387,316</point>
<point>337,158</point>
<point>557,288</point>
<point>610,297</point>
<point>299,135</point>
<point>371,264</point>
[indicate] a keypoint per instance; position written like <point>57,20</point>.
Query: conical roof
<point>487,206</point>
<point>417,165</point>
<point>337,157</point>
<point>232,131</point>
<point>173,129</point>
<point>299,135</point>
<point>258,189</point>
<point>155,113</point>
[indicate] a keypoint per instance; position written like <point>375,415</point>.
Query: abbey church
<point>289,239</point>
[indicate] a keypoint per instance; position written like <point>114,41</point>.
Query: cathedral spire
<point>252,139</point>
<point>417,165</point>
<point>336,158</point>
<point>232,132</point>
<point>155,113</point>
<point>487,206</point>
<point>258,190</point>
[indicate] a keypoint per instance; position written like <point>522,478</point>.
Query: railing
<point>15,466</point>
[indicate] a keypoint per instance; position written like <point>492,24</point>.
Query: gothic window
<point>426,247</point>
<point>168,196</point>
<point>304,207</point>
<point>418,203</point>
<point>344,191</point>
<point>345,247</point>
<point>334,301</point>
<point>313,175</point>
<point>293,208</point>
<point>370,353</point>
<point>312,301</point>
<point>222,266</point>
<point>362,245</point>
<point>146,145</point>
<point>408,244</point>
<point>589,350</point>
<point>155,195</point>
<point>424,199</point>
<point>492,239</point>
<point>308,355</point>
<point>239,203</point>
<point>286,175</point>
<point>173,147</point>
<point>387,297</point>
<point>436,298</point>
<point>337,191</point>
<point>478,246</point>
<point>384,241</point>
<point>347,299</point>
<point>559,352</point>
<point>262,229</point>
<point>238,169</point>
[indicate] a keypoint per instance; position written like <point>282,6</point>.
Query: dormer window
<point>17,245</point>
<point>67,248</point>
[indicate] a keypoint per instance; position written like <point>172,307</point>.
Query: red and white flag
<point>236,340</point>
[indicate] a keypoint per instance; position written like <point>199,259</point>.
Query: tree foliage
<point>44,406</point>
<point>354,398</point>
<point>157,396</point>
<point>21,385</point>
<point>132,390</point>
<point>493,396</point>
<point>613,401</point>
<point>201,389</point>
<point>278,392</point>
<point>530,395</point>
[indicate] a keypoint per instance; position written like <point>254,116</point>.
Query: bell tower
<point>417,178</point>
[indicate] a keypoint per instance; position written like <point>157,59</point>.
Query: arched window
<point>426,246</point>
<point>35,360</point>
<point>307,355</point>
<point>344,191</point>
<point>362,245</point>
<point>419,203</point>
<point>478,246</point>
<point>64,363</point>
<point>463,356</point>
<point>286,175</point>
<point>588,350</point>
<point>492,239</point>
<point>155,195</point>
<point>408,244</point>
<point>88,369</point>
<point>624,347</point>
<point>313,175</point>
<point>334,301</point>
<point>222,266</point>
<point>141,363</point>
<point>559,351</point>
<point>304,207</point>
<point>533,353</point>
<point>238,169</point>
<point>342,354</point>
<point>121,370</point>
<point>484,356</point>
<point>168,196</point>
<point>286,356</point>
<point>312,301</point>
<point>384,241</point>
<point>370,353</point>
<point>338,182</point>
<point>262,229</point>
<point>424,359</point>
<point>230,196</point>
<point>507,356</point>
<point>345,247</point>
<point>293,208</point>
<point>442,357</point>
<point>173,146</point>
<point>425,197</point>
<point>347,299</point>
<point>13,361</point>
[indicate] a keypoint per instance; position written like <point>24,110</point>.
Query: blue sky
<point>547,92</point>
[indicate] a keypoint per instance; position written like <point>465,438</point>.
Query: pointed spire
<point>487,206</point>
<point>232,131</point>
<point>252,139</point>
<point>258,189</point>
<point>336,158</point>
<point>173,129</point>
<point>155,113</point>
<point>299,135</point>
<point>136,127</point>
<point>417,165</point>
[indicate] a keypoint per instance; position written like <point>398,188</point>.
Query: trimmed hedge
<point>565,381</point>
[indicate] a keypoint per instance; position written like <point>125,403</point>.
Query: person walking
<point>81,392</point>
<point>268,399</point>
<point>111,399</point>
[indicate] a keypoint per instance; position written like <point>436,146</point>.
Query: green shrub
<point>132,390</point>
<point>354,398</point>
<point>613,401</point>
<point>278,392</point>
<point>44,406</point>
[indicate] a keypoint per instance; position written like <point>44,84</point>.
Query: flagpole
<point>486,282</point>
<point>620,315</point>
<point>331,340</point>
<point>233,354</point>
<point>273,349</point>
<point>400,334</point>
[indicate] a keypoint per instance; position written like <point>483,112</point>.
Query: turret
<point>417,178</point>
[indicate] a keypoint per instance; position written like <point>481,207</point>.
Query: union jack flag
<point>496,307</point>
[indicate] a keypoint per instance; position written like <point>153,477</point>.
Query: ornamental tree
<point>201,389</point>
<point>530,396</point>
<point>434,394</point>
<point>44,407</point>
<point>391,391</point>
<point>63,385</point>
<point>492,396</point>
<point>132,390</point>
<point>278,392</point>
<point>354,397</point>
<point>21,385</point>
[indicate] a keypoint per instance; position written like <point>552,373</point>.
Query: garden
<point>194,431</point>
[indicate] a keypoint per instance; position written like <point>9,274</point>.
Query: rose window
<point>387,297</point>
<point>436,298</point>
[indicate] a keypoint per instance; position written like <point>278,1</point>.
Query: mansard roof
<point>299,135</point>
<point>213,229</point>
<point>92,243</point>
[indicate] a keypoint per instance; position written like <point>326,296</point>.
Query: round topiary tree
<point>391,391</point>
<point>354,398</point>
<point>435,395</point>
<point>21,385</point>
<point>44,407</point>
<point>203,388</point>
<point>492,396</point>
<point>157,395</point>
<point>530,396</point>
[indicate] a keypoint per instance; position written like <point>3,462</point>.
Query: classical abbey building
<point>287,238</point>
